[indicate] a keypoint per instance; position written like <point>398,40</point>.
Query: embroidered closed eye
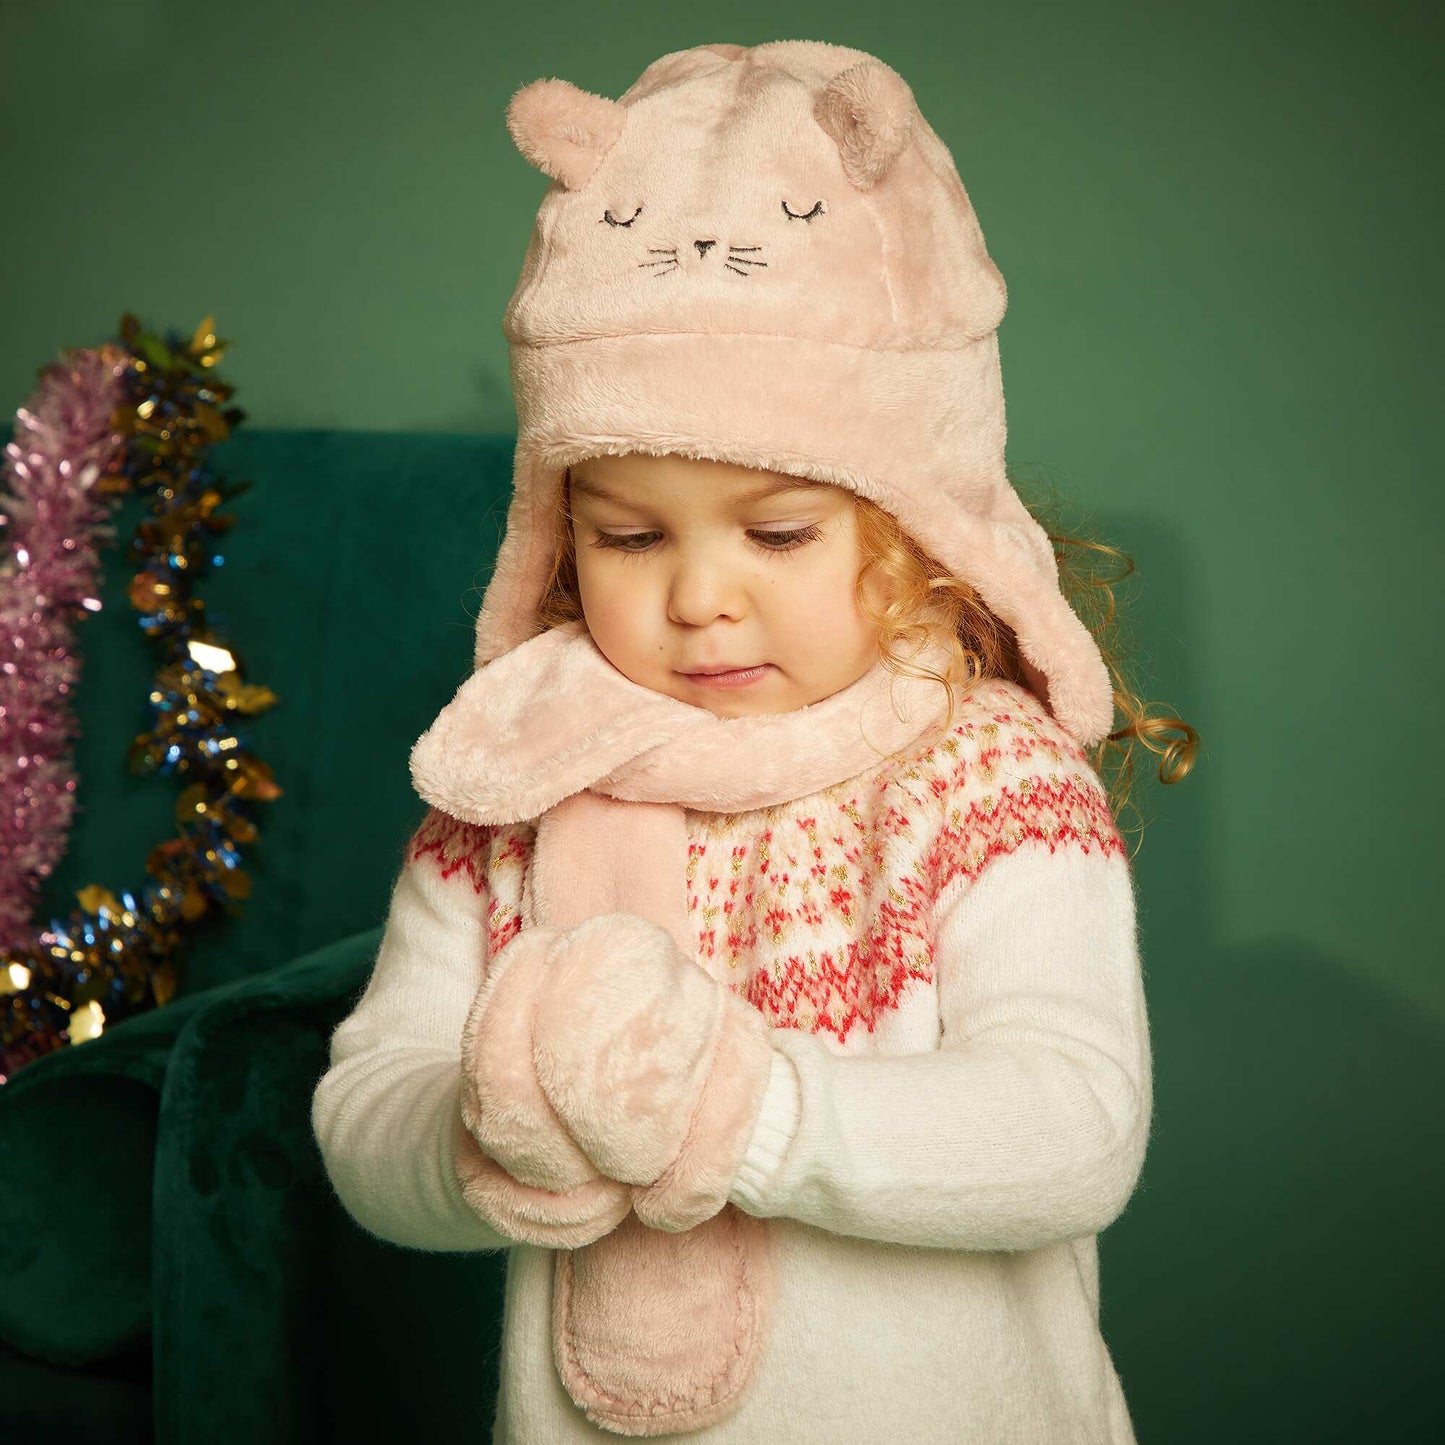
<point>613,221</point>
<point>802,215</point>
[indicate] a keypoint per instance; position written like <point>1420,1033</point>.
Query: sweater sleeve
<point>385,1112</point>
<point>1028,1124</point>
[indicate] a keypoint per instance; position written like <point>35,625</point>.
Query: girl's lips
<point>739,677</point>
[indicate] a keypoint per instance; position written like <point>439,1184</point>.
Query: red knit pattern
<point>1011,775</point>
<point>822,918</point>
<point>457,846</point>
<point>764,921</point>
<point>492,859</point>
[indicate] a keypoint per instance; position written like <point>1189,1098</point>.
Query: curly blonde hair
<point>923,598</point>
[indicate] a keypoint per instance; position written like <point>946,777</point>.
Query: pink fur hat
<point>765,256</point>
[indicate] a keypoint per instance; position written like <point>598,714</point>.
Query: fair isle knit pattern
<point>959,1100</point>
<point>822,917</point>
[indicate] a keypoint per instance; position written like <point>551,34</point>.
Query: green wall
<point>1218,223</point>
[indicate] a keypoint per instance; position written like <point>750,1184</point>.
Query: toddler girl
<point>763,977</point>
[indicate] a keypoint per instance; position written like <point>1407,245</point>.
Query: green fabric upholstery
<point>265,1285</point>
<point>94,1406</point>
<point>163,1212</point>
<point>258,1284</point>
<point>78,1137</point>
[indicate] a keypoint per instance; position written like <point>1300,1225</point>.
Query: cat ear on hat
<point>564,130</point>
<point>868,110</point>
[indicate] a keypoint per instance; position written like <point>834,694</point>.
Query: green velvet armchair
<point>173,1264</point>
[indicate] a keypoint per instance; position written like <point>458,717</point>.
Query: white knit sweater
<point>960,1096</point>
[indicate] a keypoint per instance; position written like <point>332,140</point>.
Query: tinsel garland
<point>135,416</point>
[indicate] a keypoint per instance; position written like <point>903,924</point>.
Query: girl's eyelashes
<point>774,543</point>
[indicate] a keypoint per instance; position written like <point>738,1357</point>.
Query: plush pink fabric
<point>590,1050</point>
<point>765,255</point>
<point>626,1039</point>
<point>599,1055</point>
<point>704,1168</point>
<point>659,1333</point>
<point>502,1100</point>
<point>544,1217</point>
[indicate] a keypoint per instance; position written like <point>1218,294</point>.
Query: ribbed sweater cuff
<point>777,1124</point>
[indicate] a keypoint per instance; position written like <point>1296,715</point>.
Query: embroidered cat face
<point>749,190</point>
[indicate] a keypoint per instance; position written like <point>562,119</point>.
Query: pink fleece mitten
<point>566,1220</point>
<point>655,1069</point>
<point>518,1166</point>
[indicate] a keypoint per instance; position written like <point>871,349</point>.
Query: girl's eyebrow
<point>582,487</point>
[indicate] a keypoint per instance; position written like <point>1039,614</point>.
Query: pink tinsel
<point>49,569</point>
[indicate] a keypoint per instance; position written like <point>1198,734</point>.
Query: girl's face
<point>680,567</point>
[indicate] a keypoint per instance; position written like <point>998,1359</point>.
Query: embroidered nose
<point>702,246</point>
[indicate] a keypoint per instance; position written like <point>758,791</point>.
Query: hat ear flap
<point>564,130</point>
<point>868,110</point>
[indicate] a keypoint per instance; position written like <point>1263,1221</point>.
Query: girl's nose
<point>700,594</point>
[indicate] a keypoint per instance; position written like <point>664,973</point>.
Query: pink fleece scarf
<point>654,1332</point>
